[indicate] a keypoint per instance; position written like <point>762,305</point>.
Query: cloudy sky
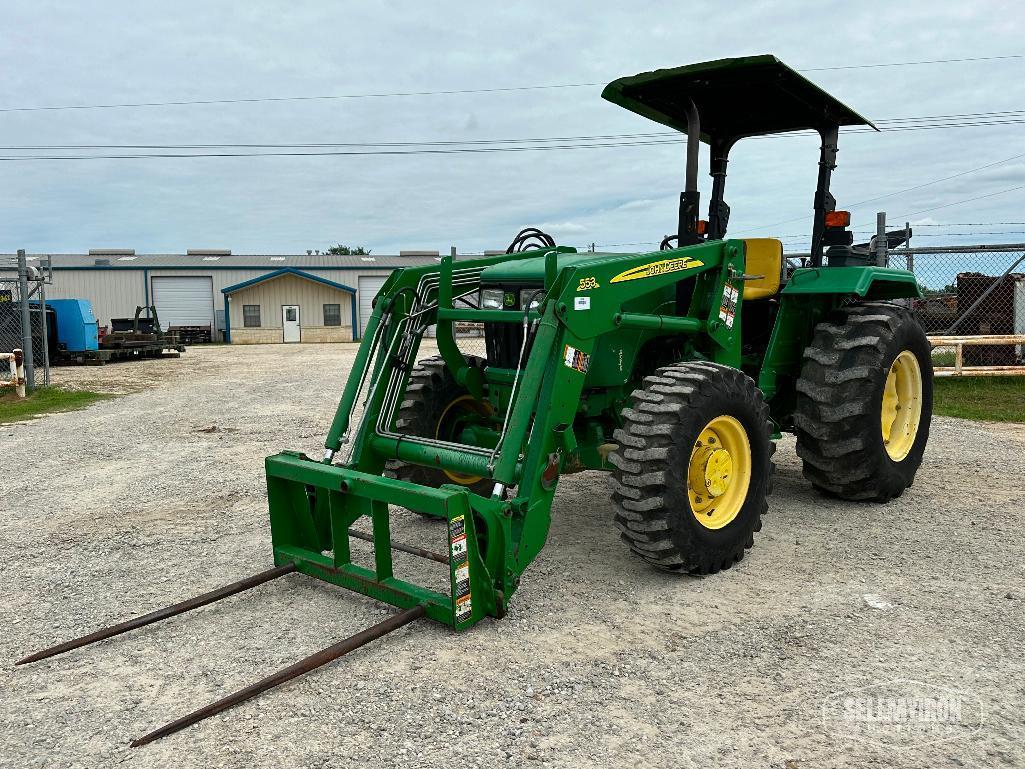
<point>72,53</point>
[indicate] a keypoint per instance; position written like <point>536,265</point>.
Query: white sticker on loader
<point>582,303</point>
<point>728,308</point>
<point>464,608</point>
<point>459,547</point>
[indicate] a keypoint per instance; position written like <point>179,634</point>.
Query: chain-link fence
<point>12,301</point>
<point>969,291</point>
<point>469,336</point>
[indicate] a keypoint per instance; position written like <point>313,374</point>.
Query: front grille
<point>503,343</point>
<point>503,340</point>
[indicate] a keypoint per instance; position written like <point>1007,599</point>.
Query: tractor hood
<point>528,269</point>
<point>747,96</point>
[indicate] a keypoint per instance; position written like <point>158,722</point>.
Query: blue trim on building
<point>287,271</point>
<point>145,288</point>
<point>227,321</point>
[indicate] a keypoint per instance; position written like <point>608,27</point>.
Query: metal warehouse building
<point>242,298</point>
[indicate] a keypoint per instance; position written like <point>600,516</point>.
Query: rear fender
<point>864,282</point>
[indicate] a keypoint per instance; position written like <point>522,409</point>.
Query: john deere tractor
<point>674,370</point>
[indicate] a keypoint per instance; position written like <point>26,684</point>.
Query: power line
<point>914,63</point>
<point>453,92</point>
<point>898,192</point>
<point>260,99</point>
<point>424,148</point>
<point>674,136</point>
<point>956,203</point>
<point>971,224</point>
<point>802,238</point>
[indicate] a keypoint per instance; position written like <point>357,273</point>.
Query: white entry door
<point>290,322</point>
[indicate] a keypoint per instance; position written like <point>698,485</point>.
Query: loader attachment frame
<point>491,540</point>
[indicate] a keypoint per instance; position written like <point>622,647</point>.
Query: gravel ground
<point>146,499</point>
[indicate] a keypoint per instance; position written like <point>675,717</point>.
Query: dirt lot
<point>136,502</point>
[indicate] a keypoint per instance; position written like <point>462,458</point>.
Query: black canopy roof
<point>739,97</point>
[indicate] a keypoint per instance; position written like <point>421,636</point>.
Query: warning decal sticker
<point>459,548</point>
<point>576,360</point>
<point>460,568</point>
<point>728,308</point>
<point>464,607</point>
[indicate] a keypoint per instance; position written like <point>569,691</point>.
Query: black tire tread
<point>644,470</point>
<point>835,413</point>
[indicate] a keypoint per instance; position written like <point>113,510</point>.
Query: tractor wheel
<point>434,407</point>
<point>693,467</point>
<point>864,403</point>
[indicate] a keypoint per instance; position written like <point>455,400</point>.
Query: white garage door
<point>368,288</point>
<point>184,301</point>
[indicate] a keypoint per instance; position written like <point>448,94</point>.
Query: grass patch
<point>993,399</point>
<point>45,400</point>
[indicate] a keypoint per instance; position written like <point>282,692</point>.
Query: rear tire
<point>430,393</point>
<point>659,514</point>
<point>839,419</point>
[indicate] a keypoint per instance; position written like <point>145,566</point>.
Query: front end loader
<point>672,370</point>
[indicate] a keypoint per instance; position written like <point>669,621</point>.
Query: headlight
<point>532,295</point>
<point>491,298</point>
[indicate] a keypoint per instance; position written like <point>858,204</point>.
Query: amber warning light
<point>838,218</point>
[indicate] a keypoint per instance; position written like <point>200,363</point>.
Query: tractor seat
<point>764,257</point>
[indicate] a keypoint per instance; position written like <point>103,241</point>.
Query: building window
<point>251,315</point>
<point>332,315</point>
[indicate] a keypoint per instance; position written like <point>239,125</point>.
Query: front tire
<point>693,468</point>
<point>864,403</point>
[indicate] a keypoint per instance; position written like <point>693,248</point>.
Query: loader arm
<point>492,539</point>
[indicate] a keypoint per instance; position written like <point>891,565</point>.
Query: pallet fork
<point>301,667</point>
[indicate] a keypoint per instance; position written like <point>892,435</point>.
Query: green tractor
<point>673,370</point>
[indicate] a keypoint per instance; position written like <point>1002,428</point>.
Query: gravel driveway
<point>155,496</point>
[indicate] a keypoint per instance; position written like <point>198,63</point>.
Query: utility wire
<point>971,224</point>
<point>956,203</point>
<point>914,63</point>
<point>662,137</point>
<point>426,148</point>
<point>461,91</point>
<point>891,194</point>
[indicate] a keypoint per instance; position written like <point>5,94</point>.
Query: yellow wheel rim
<point>902,405</point>
<point>462,403</point>
<point>719,472</point>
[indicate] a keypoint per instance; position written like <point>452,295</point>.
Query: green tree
<point>343,250</point>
